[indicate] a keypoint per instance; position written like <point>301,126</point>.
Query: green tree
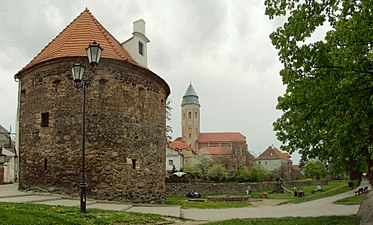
<point>258,174</point>
<point>303,160</point>
<point>217,172</point>
<point>315,169</point>
<point>244,175</point>
<point>202,163</point>
<point>338,170</point>
<point>239,157</point>
<point>328,103</point>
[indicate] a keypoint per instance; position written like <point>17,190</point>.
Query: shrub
<point>218,173</point>
<point>244,175</point>
<point>258,174</point>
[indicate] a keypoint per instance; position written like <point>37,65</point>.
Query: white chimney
<point>139,26</point>
<point>137,45</point>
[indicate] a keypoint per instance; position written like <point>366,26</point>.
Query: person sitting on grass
<point>301,193</point>
<point>319,188</point>
<point>195,194</point>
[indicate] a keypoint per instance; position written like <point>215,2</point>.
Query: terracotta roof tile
<point>179,145</point>
<point>285,155</point>
<point>75,38</point>
<point>273,153</point>
<point>221,137</point>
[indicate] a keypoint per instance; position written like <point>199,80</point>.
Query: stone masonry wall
<point>125,145</point>
<point>181,189</point>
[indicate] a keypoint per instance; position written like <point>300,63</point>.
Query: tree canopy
<point>315,169</point>
<point>328,103</point>
<point>203,162</point>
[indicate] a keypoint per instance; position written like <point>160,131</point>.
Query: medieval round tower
<point>126,110</point>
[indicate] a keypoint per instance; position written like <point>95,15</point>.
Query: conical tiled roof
<point>76,37</point>
<point>190,96</point>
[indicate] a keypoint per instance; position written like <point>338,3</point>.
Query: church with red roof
<point>227,148</point>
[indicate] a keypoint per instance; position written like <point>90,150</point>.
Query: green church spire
<point>190,96</point>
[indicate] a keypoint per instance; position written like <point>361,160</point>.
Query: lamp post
<point>81,83</point>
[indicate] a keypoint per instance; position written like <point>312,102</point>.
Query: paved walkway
<point>10,193</point>
<point>324,206</point>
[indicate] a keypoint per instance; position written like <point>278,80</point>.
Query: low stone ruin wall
<point>181,189</point>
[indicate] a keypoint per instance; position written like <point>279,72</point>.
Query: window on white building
<point>141,48</point>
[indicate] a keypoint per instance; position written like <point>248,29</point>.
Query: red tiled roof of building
<point>215,150</point>
<point>178,139</point>
<point>221,137</point>
<point>273,153</point>
<point>75,38</point>
<point>178,145</point>
<point>285,155</point>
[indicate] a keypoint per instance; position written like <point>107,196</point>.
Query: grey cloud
<point>221,46</point>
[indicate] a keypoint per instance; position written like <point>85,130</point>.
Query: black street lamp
<point>81,83</point>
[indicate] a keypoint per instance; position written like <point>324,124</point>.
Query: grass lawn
<point>324,220</point>
<point>352,200</point>
<point>332,188</point>
<point>185,204</point>
<point>17,213</point>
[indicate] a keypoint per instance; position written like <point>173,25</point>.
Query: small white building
<point>10,165</point>
<point>272,159</point>
<point>174,160</point>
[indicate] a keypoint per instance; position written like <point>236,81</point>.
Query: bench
<point>361,190</point>
<point>365,189</point>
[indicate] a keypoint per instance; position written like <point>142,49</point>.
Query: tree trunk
<point>368,153</point>
<point>352,172</point>
<point>369,161</point>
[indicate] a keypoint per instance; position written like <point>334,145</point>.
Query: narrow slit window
<point>45,164</point>
<point>45,119</point>
<point>141,48</point>
<point>133,163</point>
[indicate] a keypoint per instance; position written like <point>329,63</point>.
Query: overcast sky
<point>222,47</point>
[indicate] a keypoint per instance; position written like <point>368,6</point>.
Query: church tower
<point>190,114</point>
